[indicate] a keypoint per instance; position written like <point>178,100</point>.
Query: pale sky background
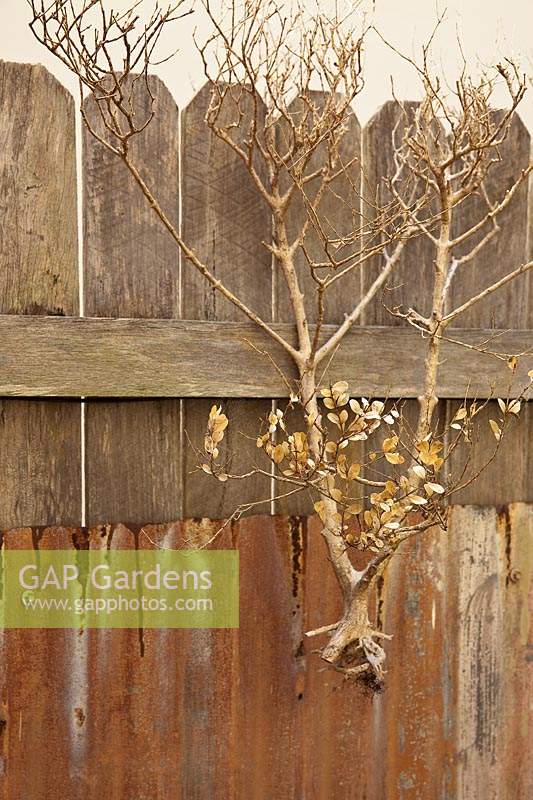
<point>489,30</point>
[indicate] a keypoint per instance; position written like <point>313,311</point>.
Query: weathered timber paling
<point>225,221</point>
<point>40,442</point>
<point>130,269</point>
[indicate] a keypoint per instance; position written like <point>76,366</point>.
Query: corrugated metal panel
<point>190,715</point>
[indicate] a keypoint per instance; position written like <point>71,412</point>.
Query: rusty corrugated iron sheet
<point>250,714</point>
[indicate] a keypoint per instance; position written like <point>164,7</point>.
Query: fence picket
<point>224,221</point>
<point>39,439</point>
<point>507,479</point>
<point>131,270</point>
<point>339,207</point>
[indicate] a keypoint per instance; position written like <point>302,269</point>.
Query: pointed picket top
<point>507,476</point>
<point>413,284</point>
<point>131,267</point>
<point>224,216</point>
<point>38,185</point>
<point>336,212</point>
<point>131,262</point>
<point>38,275</point>
<point>225,220</point>
<point>508,308</point>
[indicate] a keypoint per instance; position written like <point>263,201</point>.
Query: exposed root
<point>352,649</point>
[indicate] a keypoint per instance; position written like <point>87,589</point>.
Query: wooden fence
<point>221,714</point>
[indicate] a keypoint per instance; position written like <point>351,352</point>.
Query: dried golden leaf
<point>495,429</point>
<point>514,407</point>
<point>432,488</point>
<point>279,454</point>
<point>390,444</point>
<point>502,404</point>
<point>207,468</point>
<point>356,408</point>
<point>320,510</point>
<point>336,495</point>
<point>417,500</point>
<point>394,458</point>
<point>428,452</point>
<point>419,470</point>
<point>359,437</point>
<point>339,388</point>
<point>354,471</point>
<point>512,362</point>
<point>355,508</point>
<point>222,477</point>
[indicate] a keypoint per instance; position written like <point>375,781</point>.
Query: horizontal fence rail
<point>95,357</point>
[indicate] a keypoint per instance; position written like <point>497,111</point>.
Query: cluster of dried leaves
<point>376,488</point>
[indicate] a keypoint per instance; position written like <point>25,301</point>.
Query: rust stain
<point>79,716</point>
<point>249,714</point>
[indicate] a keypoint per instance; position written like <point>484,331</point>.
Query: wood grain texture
<point>73,356</point>
<point>249,714</point>
<point>508,478</point>
<point>224,220</point>
<point>410,283</point>
<point>339,216</point>
<point>40,441</point>
<point>131,269</point>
